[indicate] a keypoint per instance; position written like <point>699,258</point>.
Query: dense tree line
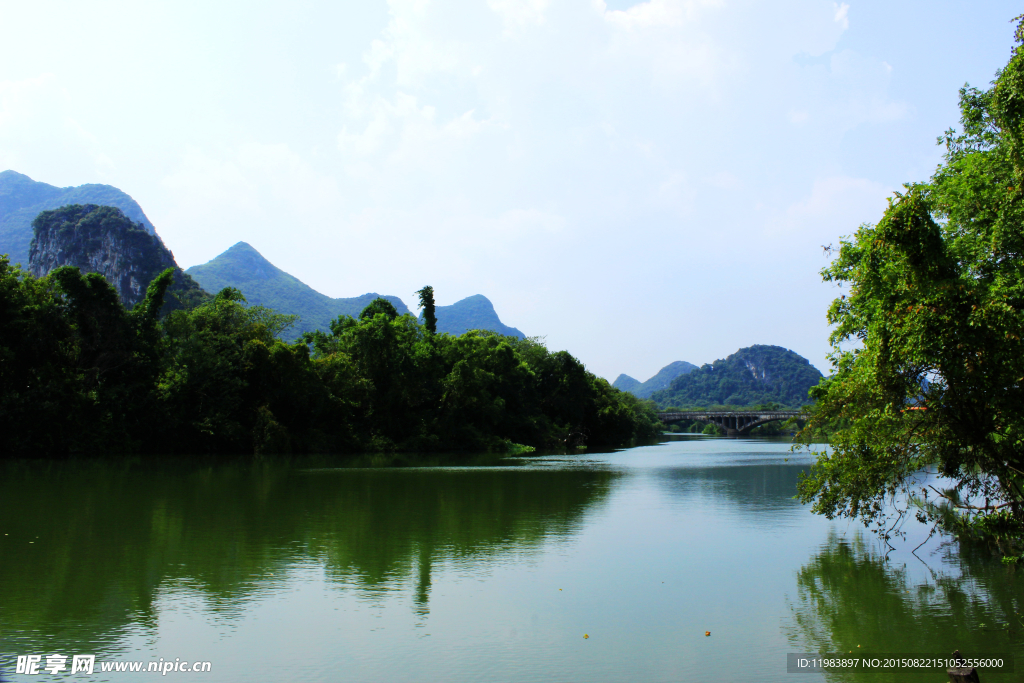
<point>81,374</point>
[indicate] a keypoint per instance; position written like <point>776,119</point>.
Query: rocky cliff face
<point>101,239</point>
<point>22,199</point>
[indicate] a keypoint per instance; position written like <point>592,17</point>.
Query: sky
<point>638,183</point>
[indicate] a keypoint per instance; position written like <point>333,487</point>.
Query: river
<point>591,567</point>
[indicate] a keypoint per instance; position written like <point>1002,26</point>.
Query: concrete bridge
<point>734,422</point>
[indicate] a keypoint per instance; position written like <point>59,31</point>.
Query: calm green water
<point>279,573</point>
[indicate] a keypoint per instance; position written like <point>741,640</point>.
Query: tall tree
<point>935,309</point>
<point>379,306</point>
<point>427,304</point>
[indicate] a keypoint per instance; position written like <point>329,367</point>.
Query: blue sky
<point>638,183</point>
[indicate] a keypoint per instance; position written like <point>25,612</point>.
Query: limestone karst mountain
<point>753,375</point>
<point>101,239</point>
<point>22,199</point>
<point>626,383</point>
<point>264,284</point>
<point>472,313</point>
<point>660,381</point>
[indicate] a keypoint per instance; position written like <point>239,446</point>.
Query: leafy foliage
<point>80,374</point>
<point>76,368</point>
<point>936,308</point>
<point>751,376</point>
<point>427,304</point>
<point>479,390</point>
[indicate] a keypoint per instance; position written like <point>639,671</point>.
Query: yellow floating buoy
<point>585,636</point>
<point>707,633</point>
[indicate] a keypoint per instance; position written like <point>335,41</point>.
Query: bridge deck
<point>734,422</point>
<point>699,414</point>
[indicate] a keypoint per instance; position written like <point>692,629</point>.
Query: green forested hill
<point>626,383</point>
<point>472,313</point>
<point>22,199</point>
<point>264,284</point>
<point>660,381</point>
<point>751,376</point>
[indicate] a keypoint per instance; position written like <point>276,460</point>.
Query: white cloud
<point>835,206</point>
<point>39,129</point>
<point>724,180</point>
<point>864,83</point>
<point>251,192</point>
<point>534,151</point>
<point>677,193</point>
<point>797,116</point>
<point>519,13</point>
<point>669,39</point>
<point>842,14</point>
<point>844,91</point>
<point>660,13</point>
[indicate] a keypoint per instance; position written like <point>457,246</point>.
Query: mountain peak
<point>22,199</point>
<point>750,376</point>
<point>242,247</point>
<point>626,383</point>
<point>245,264</point>
<point>263,284</point>
<point>660,381</point>
<point>475,312</point>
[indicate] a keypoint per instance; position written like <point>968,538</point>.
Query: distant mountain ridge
<point>751,376</point>
<point>22,199</point>
<point>472,313</point>
<point>264,284</point>
<point>660,381</point>
<point>626,383</point>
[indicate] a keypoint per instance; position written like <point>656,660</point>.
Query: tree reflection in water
<point>850,598</point>
<point>88,548</point>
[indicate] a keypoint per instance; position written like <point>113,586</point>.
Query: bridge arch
<point>734,422</point>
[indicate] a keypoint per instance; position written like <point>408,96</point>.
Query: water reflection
<point>751,488</point>
<point>850,598</point>
<point>468,574</point>
<point>87,553</point>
